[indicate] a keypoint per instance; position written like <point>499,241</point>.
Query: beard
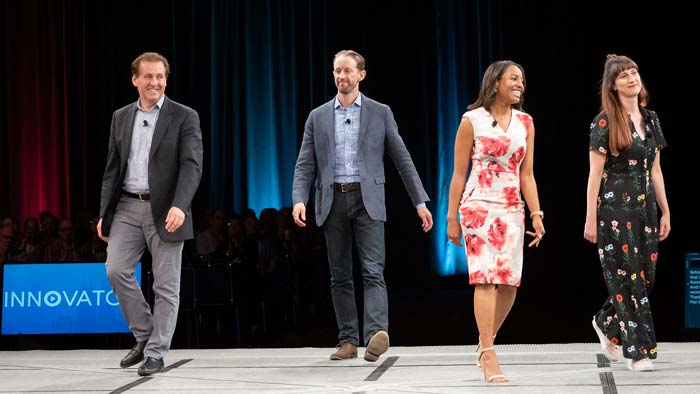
<point>345,87</point>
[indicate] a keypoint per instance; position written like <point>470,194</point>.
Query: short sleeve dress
<point>628,235</point>
<point>491,210</point>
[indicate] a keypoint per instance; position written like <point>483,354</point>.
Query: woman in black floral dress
<point>625,185</point>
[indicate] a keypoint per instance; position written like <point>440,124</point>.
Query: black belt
<point>138,196</point>
<point>346,187</point>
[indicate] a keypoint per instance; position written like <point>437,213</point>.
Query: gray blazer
<point>174,167</point>
<point>378,133</point>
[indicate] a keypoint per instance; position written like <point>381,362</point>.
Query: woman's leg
<point>505,297</point>
<point>484,311</point>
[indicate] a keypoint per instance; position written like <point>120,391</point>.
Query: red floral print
<point>474,217</point>
<point>485,178</point>
<point>474,244</point>
<point>527,121</point>
<point>494,146</point>
<point>492,220</point>
<point>477,277</point>
<point>502,273</point>
<point>516,158</point>
<point>495,168</point>
<point>497,233</point>
<point>512,196</point>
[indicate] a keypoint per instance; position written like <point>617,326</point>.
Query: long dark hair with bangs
<point>487,93</point>
<point>619,133</point>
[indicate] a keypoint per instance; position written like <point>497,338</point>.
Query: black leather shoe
<point>134,356</point>
<point>151,366</point>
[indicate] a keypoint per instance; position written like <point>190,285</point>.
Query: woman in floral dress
<point>625,185</point>
<point>497,139</point>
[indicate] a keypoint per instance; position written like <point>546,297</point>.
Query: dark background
<point>66,68</point>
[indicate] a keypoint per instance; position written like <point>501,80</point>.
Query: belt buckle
<point>342,187</point>
<point>140,196</point>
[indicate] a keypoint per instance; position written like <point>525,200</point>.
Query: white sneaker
<point>643,365</point>
<point>610,350</point>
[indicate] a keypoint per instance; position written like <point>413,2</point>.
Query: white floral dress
<point>491,210</point>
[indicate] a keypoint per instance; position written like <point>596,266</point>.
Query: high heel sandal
<point>478,353</point>
<point>491,378</point>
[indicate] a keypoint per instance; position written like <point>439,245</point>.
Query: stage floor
<point>549,368</point>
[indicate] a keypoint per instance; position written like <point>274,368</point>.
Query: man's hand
<point>299,214</point>
<point>174,219</point>
<point>99,231</point>
<point>426,218</point>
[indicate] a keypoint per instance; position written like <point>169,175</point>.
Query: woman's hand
<point>664,227</point>
<point>590,231</point>
<point>539,231</point>
<point>454,231</point>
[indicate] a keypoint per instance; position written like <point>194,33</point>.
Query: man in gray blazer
<point>343,150</point>
<point>154,164</point>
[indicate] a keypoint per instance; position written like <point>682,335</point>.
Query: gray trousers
<point>131,232</point>
<point>348,219</point>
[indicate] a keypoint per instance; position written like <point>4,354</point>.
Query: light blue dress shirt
<point>136,178</point>
<point>347,134</point>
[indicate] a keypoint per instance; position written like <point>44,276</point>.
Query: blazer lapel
<point>365,113</point>
<point>329,126</point>
<point>127,131</point>
<point>164,119</point>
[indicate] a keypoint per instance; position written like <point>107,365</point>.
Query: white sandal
<point>478,353</point>
<point>610,350</point>
<point>643,365</point>
<point>491,378</point>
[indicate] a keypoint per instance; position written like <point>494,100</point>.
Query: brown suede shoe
<point>346,350</point>
<point>377,346</point>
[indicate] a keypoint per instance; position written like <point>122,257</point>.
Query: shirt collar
<point>158,105</point>
<point>357,102</point>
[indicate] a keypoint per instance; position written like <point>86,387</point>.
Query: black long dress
<point>628,236</point>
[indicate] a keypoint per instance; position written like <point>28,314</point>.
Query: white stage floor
<point>549,368</point>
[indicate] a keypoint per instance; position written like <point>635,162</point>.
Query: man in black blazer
<point>154,165</point>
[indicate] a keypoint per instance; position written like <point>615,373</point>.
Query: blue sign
<point>60,298</point>
<point>692,290</point>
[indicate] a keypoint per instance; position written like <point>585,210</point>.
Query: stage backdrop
<point>253,70</point>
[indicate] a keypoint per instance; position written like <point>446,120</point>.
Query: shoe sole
<point>341,358</point>
<point>602,339</point>
<point>377,346</point>
<point>143,373</point>
<point>131,364</point>
<point>641,367</point>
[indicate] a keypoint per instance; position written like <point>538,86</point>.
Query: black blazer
<point>174,167</point>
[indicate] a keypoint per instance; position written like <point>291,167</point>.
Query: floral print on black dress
<point>628,236</point>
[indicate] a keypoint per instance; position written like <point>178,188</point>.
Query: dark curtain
<point>466,40</point>
<point>253,70</point>
<point>42,127</point>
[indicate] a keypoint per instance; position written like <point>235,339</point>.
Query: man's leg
<point>369,236</point>
<point>167,262</point>
<point>337,230</point>
<point>125,248</point>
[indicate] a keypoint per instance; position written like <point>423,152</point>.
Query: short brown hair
<point>356,56</point>
<point>152,57</point>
